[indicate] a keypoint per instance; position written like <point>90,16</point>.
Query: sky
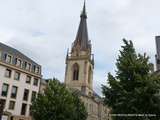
<point>44,30</point>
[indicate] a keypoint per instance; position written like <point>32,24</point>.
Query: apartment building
<point>19,83</point>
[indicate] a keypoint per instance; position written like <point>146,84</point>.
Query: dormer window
<point>37,70</point>
<point>8,58</point>
<point>18,62</point>
<point>34,68</point>
<point>27,66</point>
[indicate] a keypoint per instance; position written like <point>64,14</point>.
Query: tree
<point>134,90</point>
<point>58,103</point>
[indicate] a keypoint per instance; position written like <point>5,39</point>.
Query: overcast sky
<point>44,29</point>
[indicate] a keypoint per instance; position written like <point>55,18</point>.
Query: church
<point>79,72</point>
<point>21,78</point>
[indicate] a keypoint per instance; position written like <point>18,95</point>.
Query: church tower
<point>80,60</point>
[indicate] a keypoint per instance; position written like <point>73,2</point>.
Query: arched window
<point>75,71</point>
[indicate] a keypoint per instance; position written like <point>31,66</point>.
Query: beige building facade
<point>19,83</point>
<point>79,72</point>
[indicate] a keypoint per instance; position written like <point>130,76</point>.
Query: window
<point>89,74</point>
<point>5,90</point>
<point>37,70</point>
<point>30,110</point>
<point>87,106</point>
<point>5,56</point>
<point>8,73</point>
<point>83,89</point>
<point>75,71</point>
<point>11,105</point>
<point>27,66</point>
<point>2,105</point>
<point>17,76</point>
<point>91,107</point>
<point>23,109</point>
<point>8,58</point>
<point>35,82</point>
<point>34,68</point>
<point>18,62</point>
<point>33,95</point>
<point>26,94</point>
<point>0,54</point>
<point>28,79</point>
<point>14,92</point>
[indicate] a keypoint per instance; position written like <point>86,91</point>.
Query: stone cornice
<point>19,69</point>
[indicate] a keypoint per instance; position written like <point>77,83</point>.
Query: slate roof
<point>16,53</point>
<point>82,34</point>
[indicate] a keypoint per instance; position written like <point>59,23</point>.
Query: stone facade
<point>79,73</point>
<point>95,108</point>
<point>85,73</point>
<point>20,80</point>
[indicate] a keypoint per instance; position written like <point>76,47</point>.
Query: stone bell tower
<point>80,60</point>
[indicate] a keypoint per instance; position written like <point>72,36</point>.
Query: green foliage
<point>58,103</point>
<point>134,89</point>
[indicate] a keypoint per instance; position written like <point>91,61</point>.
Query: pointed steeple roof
<point>82,34</point>
<point>84,14</point>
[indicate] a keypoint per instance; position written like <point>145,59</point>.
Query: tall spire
<point>83,14</point>
<point>82,34</point>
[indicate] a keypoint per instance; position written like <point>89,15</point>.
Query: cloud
<point>43,30</point>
